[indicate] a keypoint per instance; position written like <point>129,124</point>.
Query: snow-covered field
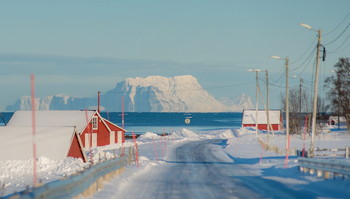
<point>156,153</point>
<point>256,169</point>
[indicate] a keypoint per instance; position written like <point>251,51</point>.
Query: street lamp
<point>314,113</point>
<point>256,98</point>
<point>287,102</point>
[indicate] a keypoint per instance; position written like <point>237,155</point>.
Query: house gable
<point>76,149</point>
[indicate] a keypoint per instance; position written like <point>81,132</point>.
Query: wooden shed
<point>92,129</point>
<point>275,117</point>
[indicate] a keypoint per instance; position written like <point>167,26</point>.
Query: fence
<point>271,148</point>
<point>324,167</point>
<point>342,152</point>
<point>85,183</point>
<point>327,152</point>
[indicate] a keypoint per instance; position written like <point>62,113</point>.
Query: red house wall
<point>115,128</point>
<point>103,135</point>
<point>75,151</point>
<point>275,127</point>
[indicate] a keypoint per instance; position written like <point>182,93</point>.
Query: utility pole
<point>300,93</point>
<point>314,113</point>
<point>98,101</point>
<point>256,103</point>
<point>287,107</point>
<point>317,70</point>
<point>286,102</point>
<point>256,98</point>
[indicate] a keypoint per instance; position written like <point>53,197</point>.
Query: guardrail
<point>85,183</point>
<point>326,152</point>
<point>325,168</point>
<point>342,152</point>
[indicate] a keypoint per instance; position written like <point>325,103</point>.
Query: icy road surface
<point>198,169</point>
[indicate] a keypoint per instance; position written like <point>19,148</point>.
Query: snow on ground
<point>17,175</point>
<point>241,147</point>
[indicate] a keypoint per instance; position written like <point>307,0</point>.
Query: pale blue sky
<point>78,47</point>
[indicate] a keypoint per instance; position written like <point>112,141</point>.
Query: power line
<point>334,29</point>
<point>338,35</point>
<point>341,45</point>
<point>308,58</point>
<point>310,46</point>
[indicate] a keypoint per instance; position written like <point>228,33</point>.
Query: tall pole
<point>123,111</point>
<point>256,103</point>
<point>300,100</point>
<point>287,108</point>
<point>267,103</point>
<point>314,113</point>
<point>98,101</point>
<point>32,81</point>
<point>300,93</point>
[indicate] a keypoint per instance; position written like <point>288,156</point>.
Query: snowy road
<point>199,169</point>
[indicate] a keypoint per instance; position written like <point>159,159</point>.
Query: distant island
<point>148,94</point>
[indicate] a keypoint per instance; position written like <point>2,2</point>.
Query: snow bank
<point>219,134</point>
<point>185,133</point>
<point>148,136</point>
<point>17,175</point>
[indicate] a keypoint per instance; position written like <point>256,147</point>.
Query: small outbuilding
<point>333,120</point>
<point>275,118</point>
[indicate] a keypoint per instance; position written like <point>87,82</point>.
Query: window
<point>94,123</point>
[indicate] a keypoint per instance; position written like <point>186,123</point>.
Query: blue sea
<point>166,122</point>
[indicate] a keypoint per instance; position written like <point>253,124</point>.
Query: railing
<point>326,152</point>
<point>272,148</point>
<point>85,183</point>
<point>324,167</point>
<point>342,152</point>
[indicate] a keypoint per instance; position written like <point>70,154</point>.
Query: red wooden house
<point>275,118</point>
<point>101,132</point>
<point>90,127</point>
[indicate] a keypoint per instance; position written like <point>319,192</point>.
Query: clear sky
<point>78,47</point>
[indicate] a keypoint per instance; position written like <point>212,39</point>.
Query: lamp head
<point>305,26</point>
<point>275,57</point>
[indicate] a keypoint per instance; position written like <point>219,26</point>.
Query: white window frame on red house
<point>94,123</point>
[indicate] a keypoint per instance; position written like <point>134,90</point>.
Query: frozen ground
<point>214,164</point>
<point>219,164</point>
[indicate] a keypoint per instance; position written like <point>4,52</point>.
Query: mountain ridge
<point>143,94</point>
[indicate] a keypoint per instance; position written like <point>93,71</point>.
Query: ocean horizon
<point>166,122</point>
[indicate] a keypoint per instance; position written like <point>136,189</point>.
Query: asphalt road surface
<point>196,172</point>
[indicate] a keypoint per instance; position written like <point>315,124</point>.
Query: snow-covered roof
<point>53,118</point>
<point>51,142</point>
<point>249,116</point>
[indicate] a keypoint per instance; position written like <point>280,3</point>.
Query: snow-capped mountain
<point>237,104</point>
<point>149,94</point>
<point>162,94</point>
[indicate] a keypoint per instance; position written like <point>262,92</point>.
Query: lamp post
<point>314,113</point>
<point>256,98</point>
<point>287,101</point>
